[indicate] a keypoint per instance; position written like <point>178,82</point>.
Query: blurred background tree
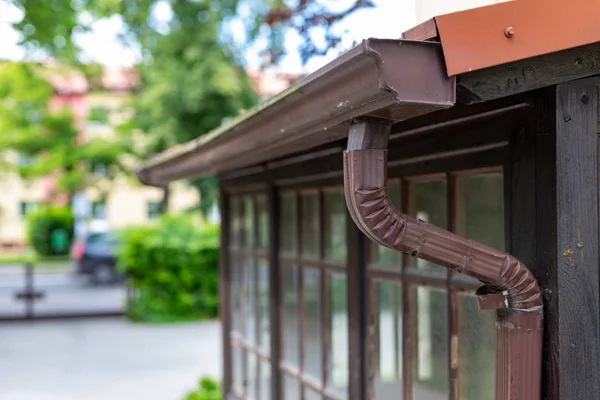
<point>37,141</point>
<point>192,75</point>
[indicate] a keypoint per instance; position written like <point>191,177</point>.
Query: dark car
<point>96,256</point>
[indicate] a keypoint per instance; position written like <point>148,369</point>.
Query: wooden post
<point>567,239</point>
<point>275,287</point>
<point>224,296</point>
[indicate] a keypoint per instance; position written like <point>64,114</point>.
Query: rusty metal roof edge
<point>319,101</point>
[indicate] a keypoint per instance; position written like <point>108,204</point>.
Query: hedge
<point>208,389</point>
<point>50,230</point>
<point>172,268</point>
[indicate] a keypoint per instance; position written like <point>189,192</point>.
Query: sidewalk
<point>105,359</point>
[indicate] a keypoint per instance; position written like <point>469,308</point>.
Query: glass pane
<point>290,324</point>
<point>263,305</point>
<point>248,223</point>
<point>312,322</point>
<point>430,375</point>
<point>250,292</point>
<point>381,255</point>
<point>238,368</point>
<point>335,226</point>
<point>265,381</point>
<point>311,395</point>
<point>477,349</point>
<point>235,224</point>
<point>480,208</point>
<point>388,340</point>
<point>427,201</point>
<point>262,212</point>
<point>252,368</point>
<point>236,300</point>
<point>289,223</point>
<point>338,326</point>
<point>291,388</point>
<point>310,225</point>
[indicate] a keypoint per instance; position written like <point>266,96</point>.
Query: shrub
<point>207,389</point>
<point>50,230</point>
<point>173,268</point>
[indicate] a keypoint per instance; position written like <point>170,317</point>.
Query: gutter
<point>508,287</point>
<point>389,79</point>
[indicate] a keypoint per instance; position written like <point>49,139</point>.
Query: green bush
<point>173,268</point>
<point>50,230</point>
<point>207,389</point>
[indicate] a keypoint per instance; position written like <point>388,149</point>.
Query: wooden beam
<point>225,306</point>
<point>567,240</point>
<point>532,73</point>
<point>275,298</point>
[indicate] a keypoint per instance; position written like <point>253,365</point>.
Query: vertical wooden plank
<point>224,294</point>
<point>567,240</point>
<point>357,312</point>
<point>577,241</point>
<point>275,285</point>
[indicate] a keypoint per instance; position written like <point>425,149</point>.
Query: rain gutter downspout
<point>509,286</point>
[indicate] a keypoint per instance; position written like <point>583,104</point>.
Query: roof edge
<point>372,79</point>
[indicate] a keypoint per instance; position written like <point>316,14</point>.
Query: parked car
<point>96,256</point>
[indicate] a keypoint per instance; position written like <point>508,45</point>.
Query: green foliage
<point>49,137</point>
<point>208,389</point>
<point>99,114</point>
<point>50,230</point>
<point>173,266</point>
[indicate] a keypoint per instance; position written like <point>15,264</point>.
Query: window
<point>99,168</point>
<point>314,319</point>
<point>422,313</point>
<point>249,291</point>
<point>99,210</point>
<point>153,209</point>
<point>27,207</point>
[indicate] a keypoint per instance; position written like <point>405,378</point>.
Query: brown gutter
<point>509,286</point>
<point>391,79</point>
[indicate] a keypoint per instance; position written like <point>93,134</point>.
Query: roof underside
<point>400,79</point>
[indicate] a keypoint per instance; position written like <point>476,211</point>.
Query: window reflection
<point>236,300</point>
<point>238,368</point>
<point>263,305</point>
<point>263,222</point>
<point>289,228</point>
<point>477,349</point>
<point>311,395</point>
<point>338,330</point>
<point>430,376</point>
<point>252,371</point>
<point>249,234</point>
<point>388,340</point>
<point>291,388</point>
<point>312,322</point>
<point>428,202</point>
<point>335,226</point>
<point>265,380</point>
<point>290,324</point>
<point>310,225</point>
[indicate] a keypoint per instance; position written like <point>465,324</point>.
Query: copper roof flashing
<point>509,285</point>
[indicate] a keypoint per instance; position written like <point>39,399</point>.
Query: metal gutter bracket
<point>509,286</point>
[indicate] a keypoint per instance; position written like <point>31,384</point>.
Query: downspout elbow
<point>509,286</point>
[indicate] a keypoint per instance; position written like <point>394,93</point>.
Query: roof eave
<point>391,79</point>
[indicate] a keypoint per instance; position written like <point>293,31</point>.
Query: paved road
<point>64,293</point>
<point>105,359</point>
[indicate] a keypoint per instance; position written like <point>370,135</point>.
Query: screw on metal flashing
<point>509,32</point>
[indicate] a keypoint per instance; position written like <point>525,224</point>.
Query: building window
<point>99,210</point>
<point>99,168</point>
<point>315,314</point>
<point>27,207</point>
<point>249,291</point>
<point>153,209</point>
<point>423,313</point>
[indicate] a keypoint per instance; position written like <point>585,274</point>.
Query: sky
<point>388,20</point>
